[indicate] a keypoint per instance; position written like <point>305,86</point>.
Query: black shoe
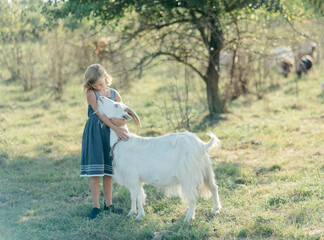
<point>112,209</point>
<point>94,213</point>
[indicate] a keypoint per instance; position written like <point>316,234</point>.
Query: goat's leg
<point>140,201</point>
<point>216,203</point>
<point>191,210</point>
<point>210,182</point>
<point>133,204</point>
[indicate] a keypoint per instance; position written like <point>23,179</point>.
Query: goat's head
<point>287,66</point>
<point>114,109</point>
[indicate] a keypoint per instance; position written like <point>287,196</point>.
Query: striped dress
<point>95,153</point>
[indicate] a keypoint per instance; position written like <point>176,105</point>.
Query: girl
<point>95,158</point>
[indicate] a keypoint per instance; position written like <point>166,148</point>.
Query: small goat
<point>173,161</point>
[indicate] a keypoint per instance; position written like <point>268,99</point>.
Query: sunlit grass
<point>269,169</point>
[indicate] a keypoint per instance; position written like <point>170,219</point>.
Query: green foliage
<point>317,5</point>
<point>162,13</point>
<point>177,26</point>
<point>23,20</point>
<point>152,11</point>
<point>19,38</point>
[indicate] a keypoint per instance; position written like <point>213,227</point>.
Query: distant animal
<point>282,60</point>
<point>309,48</point>
<point>287,66</point>
<point>304,65</point>
<point>226,60</point>
<point>100,49</point>
<point>174,161</point>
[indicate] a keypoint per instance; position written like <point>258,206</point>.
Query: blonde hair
<point>93,73</point>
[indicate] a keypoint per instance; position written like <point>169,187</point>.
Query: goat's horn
<point>135,117</point>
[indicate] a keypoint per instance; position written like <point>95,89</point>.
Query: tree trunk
<point>60,80</point>
<point>215,104</point>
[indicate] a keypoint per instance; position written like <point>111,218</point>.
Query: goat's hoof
<point>131,214</point>
<point>139,217</point>
<point>216,210</point>
<point>189,218</point>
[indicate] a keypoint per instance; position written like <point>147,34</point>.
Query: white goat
<point>178,160</point>
<point>282,60</point>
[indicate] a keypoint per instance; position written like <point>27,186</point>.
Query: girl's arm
<point>118,97</point>
<point>118,122</point>
<point>92,100</point>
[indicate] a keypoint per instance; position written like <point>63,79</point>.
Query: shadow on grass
<point>232,175</point>
<point>209,121</point>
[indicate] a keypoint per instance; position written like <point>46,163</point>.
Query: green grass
<point>269,169</point>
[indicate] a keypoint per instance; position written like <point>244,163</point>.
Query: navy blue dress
<point>95,153</point>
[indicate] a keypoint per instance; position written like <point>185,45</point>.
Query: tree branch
<point>149,58</point>
<point>149,27</point>
<point>300,33</point>
<point>200,29</point>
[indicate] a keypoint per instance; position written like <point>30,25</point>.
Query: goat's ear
<point>127,103</point>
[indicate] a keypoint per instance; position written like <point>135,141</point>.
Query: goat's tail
<point>213,142</point>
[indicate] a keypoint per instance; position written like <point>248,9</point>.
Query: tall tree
<point>187,31</point>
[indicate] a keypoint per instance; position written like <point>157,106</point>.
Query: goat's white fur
<point>172,160</point>
<point>113,109</point>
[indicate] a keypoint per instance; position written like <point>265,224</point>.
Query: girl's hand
<point>122,134</point>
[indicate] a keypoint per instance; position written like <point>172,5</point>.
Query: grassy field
<point>269,169</point>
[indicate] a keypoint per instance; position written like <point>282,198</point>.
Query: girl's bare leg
<point>107,186</point>
<point>95,188</point>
